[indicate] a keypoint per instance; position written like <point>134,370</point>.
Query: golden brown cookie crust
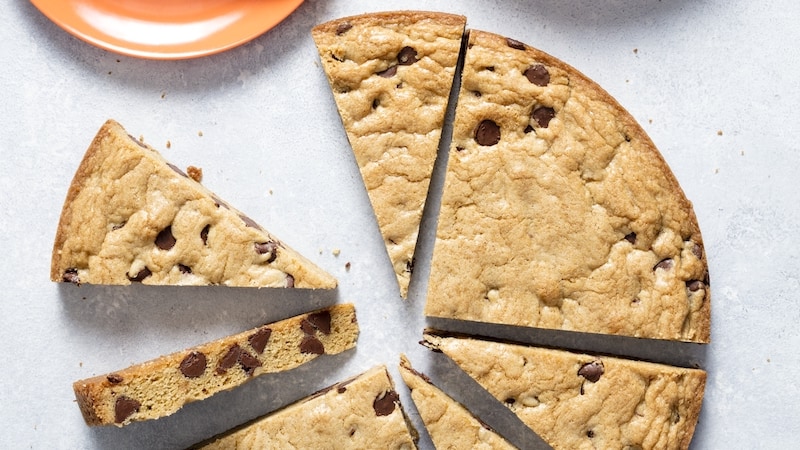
<point>558,211</point>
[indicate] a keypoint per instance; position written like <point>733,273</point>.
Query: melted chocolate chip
<point>184,268</point>
<point>125,407</point>
<point>538,75</point>
<point>543,115</point>
<point>193,365</point>
<point>310,344</point>
<point>259,339</point>
<point>665,264</point>
<point>695,285</point>
<point>71,276</point>
<point>321,321</point>
<point>528,129</point>
<point>249,363</point>
<point>697,250</point>
<point>249,222</point>
<point>138,142</point>
<point>267,248</point>
<point>631,237</point>
<point>144,273</point>
<point>289,281</point>
<point>114,378</point>
<point>177,170</point>
<point>204,234</point>
<point>487,133</point>
<point>343,28</point>
<point>307,327</point>
<point>407,56</point>
<point>592,371</point>
<point>165,240</point>
<point>515,44</point>
<point>388,73</point>
<point>230,359</point>
<point>385,404</point>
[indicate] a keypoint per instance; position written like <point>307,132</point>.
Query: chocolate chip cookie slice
<point>576,400</point>
<point>558,211</point>
<point>162,386</point>
<point>132,217</point>
<point>449,424</point>
<point>391,75</point>
<point>363,412</point>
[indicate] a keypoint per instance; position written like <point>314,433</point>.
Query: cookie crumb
<point>719,132</point>
<point>195,173</point>
<point>141,138</point>
<point>336,252</point>
<point>635,51</point>
<point>163,95</point>
<point>200,133</point>
<point>169,144</point>
<point>347,266</point>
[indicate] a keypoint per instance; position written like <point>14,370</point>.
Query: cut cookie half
<point>449,424</point>
<point>363,412</point>
<point>579,401</point>
<point>131,216</point>
<point>162,386</point>
<point>391,74</point>
<point>558,211</point>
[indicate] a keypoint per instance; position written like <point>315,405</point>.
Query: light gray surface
<point>714,83</point>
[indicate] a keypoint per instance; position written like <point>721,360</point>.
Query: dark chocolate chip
<point>310,344</point>
<point>249,362</point>
<point>114,378</point>
<point>459,149</point>
<point>697,250</point>
<point>71,276</point>
<point>341,389</point>
<point>543,115</point>
<point>230,359</point>
<point>259,339</point>
<point>631,237</point>
<point>138,142</point>
<point>592,371</point>
<point>125,407</point>
<point>289,281</point>
<point>528,129</point>
<point>249,222</point>
<point>695,285</point>
<point>321,321</point>
<point>665,264</point>
<point>307,327</point>
<point>388,73</point>
<point>511,400</point>
<point>177,170</point>
<point>515,44</point>
<point>267,248</point>
<point>204,234</point>
<point>407,56</point>
<point>184,268</point>
<point>343,28</point>
<point>165,240</point>
<point>193,365</point>
<point>590,434</point>
<point>385,404</point>
<point>144,273</point>
<point>487,133</point>
<point>538,75</point>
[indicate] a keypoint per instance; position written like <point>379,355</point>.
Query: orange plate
<point>166,29</point>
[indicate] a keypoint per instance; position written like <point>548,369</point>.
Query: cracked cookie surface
<point>558,211</point>
<point>391,75</point>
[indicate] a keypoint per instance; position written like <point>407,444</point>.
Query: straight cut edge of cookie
<point>557,209</point>
<point>575,400</point>
<point>131,216</point>
<point>391,75</point>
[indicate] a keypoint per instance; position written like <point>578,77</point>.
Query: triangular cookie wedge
<point>131,216</point>
<point>363,412</point>
<point>449,424</point>
<point>162,386</point>
<point>558,211</point>
<point>391,74</point>
<point>577,401</point>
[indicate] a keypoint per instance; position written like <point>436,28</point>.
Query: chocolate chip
<point>631,237</point>
<point>321,321</point>
<point>665,264</point>
<point>590,434</point>
<point>184,268</point>
<point>249,222</point>
<point>697,250</point>
<point>118,226</point>
<point>125,407</point>
<point>538,75</point>
<point>307,327</point>
<point>310,344</point>
<point>138,142</point>
<point>489,68</point>
<point>165,240</point>
<point>407,56</point>
<point>267,248</point>
<point>388,73</point>
<point>343,28</point>
<point>259,339</point>
<point>144,273</point>
<point>375,103</point>
<point>695,285</point>
<point>385,404</point>
<point>543,115</point>
<point>249,362</point>
<point>341,389</point>
<point>219,202</point>
<point>592,371</point>
<point>289,281</point>
<point>114,378</point>
<point>459,149</point>
<point>177,170</point>
<point>511,400</point>
<point>337,57</point>
<point>527,129</point>
<point>487,133</point>
<point>204,234</point>
<point>515,44</point>
<point>193,365</point>
<point>71,276</point>
<point>229,359</point>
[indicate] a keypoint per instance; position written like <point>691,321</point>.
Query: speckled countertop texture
<point>714,83</point>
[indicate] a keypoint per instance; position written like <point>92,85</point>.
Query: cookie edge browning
<point>400,16</point>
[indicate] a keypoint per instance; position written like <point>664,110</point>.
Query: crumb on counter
<point>336,252</point>
<point>195,173</point>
